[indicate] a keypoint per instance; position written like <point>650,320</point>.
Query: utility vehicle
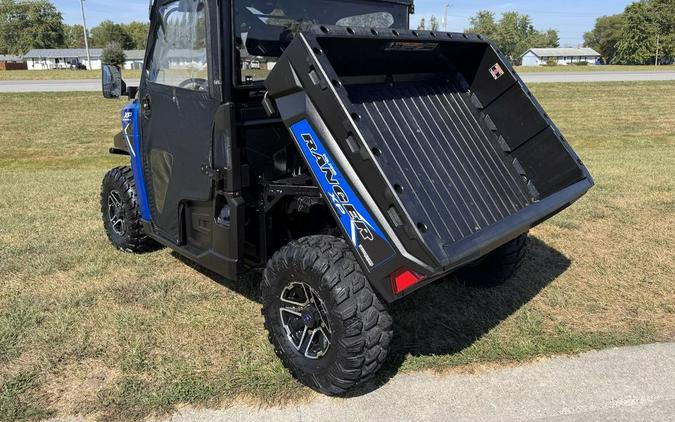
<point>371,161</point>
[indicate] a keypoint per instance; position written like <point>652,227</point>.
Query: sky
<point>571,17</point>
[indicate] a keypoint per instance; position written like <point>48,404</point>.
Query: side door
<point>178,103</point>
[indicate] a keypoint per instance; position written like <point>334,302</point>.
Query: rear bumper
<point>491,238</point>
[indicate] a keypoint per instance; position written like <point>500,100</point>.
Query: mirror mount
<point>132,91</point>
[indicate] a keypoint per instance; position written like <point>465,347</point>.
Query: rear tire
<point>497,267</point>
<point>122,214</point>
<point>340,336</point>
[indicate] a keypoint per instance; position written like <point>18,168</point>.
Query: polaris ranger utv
<point>359,162</point>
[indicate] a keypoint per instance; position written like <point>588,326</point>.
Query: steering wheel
<point>196,84</point>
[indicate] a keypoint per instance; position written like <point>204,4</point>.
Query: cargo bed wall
<point>469,71</point>
<point>447,139</point>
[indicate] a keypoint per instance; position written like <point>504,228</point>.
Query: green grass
<point>610,68</point>
<point>42,75</point>
<point>87,330</point>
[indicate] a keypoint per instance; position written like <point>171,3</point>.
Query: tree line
<point>25,25</point>
<point>514,33</point>
<point>643,34</point>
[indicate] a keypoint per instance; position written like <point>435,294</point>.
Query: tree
<point>638,41</point>
<point>434,23</point>
<point>422,25</point>
<point>665,21</point>
<point>605,37</point>
<point>634,36</point>
<point>484,23</point>
<point>113,54</point>
<point>25,25</point>
<point>74,36</point>
<point>514,34</point>
<point>542,39</point>
<point>109,32</point>
<point>138,32</point>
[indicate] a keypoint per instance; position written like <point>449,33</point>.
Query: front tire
<point>325,322</point>
<point>122,214</point>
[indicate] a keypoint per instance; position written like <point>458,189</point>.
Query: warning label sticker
<point>411,46</point>
<point>496,71</point>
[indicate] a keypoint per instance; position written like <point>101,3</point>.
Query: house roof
<point>78,52</point>
<point>134,54</point>
<point>559,52</point>
<point>10,58</point>
<point>62,52</point>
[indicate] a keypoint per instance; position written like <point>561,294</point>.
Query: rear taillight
<point>404,279</point>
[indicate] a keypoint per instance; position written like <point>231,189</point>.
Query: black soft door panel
<point>177,132</point>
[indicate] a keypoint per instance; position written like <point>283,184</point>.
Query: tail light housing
<point>404,279</point>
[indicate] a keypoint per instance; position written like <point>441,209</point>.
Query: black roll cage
<point>236,79</point>
<point>222,72</point>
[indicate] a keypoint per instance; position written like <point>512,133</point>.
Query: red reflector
<point>404,279</point>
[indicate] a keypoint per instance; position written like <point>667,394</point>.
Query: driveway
<point>634,383</point>
<point>95,85</point>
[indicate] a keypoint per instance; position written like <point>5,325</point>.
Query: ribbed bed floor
<point>456,179</point>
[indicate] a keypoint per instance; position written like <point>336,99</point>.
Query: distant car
<point>78,66</point>
<point>255,64</point>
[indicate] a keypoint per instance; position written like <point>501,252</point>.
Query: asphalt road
<point>626,384</point>
<point>598,76</point>
<point>54,85</point>
<point>545,77</point>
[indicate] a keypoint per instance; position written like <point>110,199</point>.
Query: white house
<point>63,58</point>
<point>134,59</point>
<point>562,56</point>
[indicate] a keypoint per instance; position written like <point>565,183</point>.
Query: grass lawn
<point>87,330</point>
<point>43,75</point>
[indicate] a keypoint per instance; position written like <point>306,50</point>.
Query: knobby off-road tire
<point>498,266</point>
<point>360,328</point>
<point>122,214</point>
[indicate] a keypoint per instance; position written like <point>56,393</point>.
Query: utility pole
<point>447,6</point>
<point>656,61</point>
<point>86,35</point>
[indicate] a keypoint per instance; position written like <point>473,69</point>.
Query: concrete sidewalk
<point>634,383</point>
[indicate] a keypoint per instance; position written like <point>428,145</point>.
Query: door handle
<point>146,105</point>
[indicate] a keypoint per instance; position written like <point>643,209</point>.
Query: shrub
<point>552,61</point>
<point>113,54</point>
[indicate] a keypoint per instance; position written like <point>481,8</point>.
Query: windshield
<point>264,27</point>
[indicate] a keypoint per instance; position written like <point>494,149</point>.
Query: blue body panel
<point>131,130</point>
<point>360,226</point>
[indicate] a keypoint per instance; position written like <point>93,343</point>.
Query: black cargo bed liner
<point>449,144</point>
<point>454,177</point>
